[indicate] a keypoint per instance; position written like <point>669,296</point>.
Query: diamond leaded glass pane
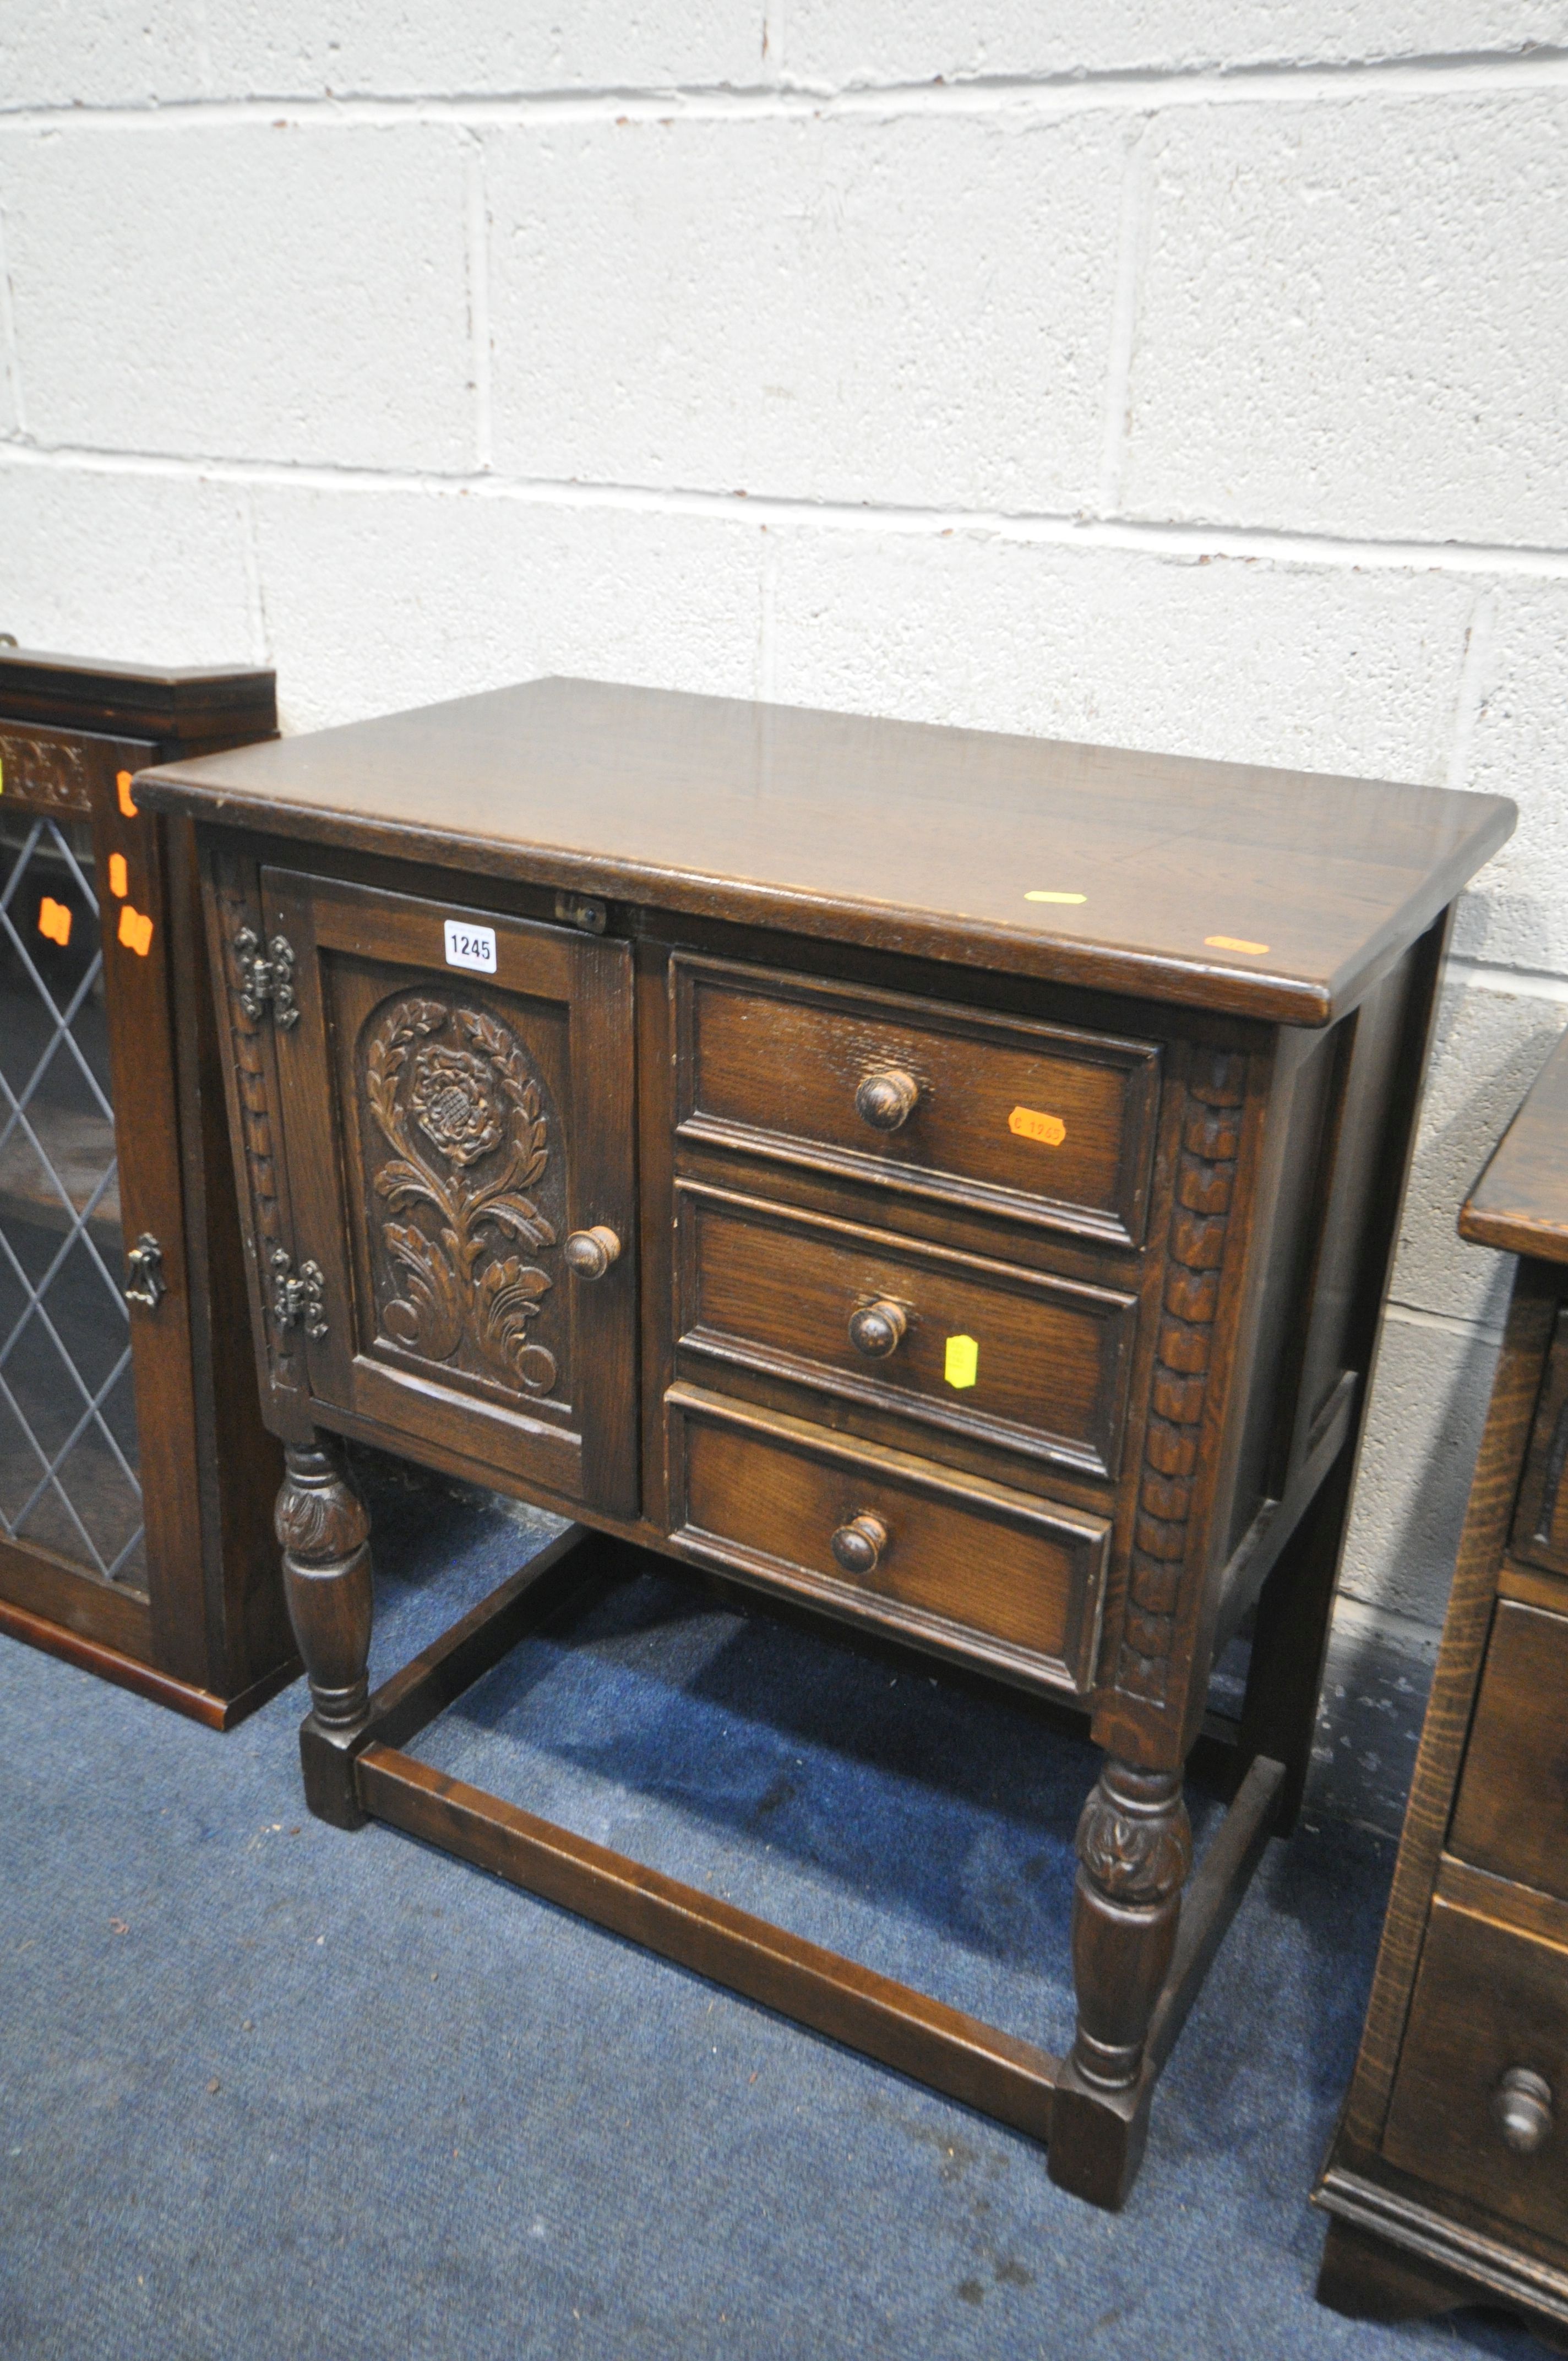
<point>68,1444</point>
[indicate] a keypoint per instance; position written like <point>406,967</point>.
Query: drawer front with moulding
<point>994,1575</point>
<point>958,1345</point>
<point>1483,2075</point>
<point>1032,1122</point>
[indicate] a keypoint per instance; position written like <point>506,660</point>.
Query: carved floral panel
<point>465,1186</point>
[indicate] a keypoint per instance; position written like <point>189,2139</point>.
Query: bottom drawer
<point>1490,2009</point>
<point>886,1538</point>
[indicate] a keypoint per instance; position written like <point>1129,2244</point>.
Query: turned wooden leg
<point>1135,1849</point>
<point>323,1528</point>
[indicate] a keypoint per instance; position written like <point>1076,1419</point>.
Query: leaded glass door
<point>94,1344</point>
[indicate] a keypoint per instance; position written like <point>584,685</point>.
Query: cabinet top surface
<point>1269,894</point>
<point>1520,1201</point>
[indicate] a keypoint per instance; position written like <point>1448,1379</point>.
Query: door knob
<point>859,1544</point>
<point>590,1252</point>
<point>887,1098</point>
<point>1521,2109</point>
<point>877,1329</point>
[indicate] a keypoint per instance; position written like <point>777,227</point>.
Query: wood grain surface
<point>1222,885</point>
<point>1520,1201</point>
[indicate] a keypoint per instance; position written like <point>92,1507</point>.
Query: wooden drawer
<point>1541,1519</point>
<point>1511,1816</point>
<point>1027,1121</point>
<point>1490,2000</point>
<point>957,1344</point>
<point>984,1572</point>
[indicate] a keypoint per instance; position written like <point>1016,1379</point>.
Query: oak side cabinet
<point>136,1473</point>
<point>942,1178</point>
<point>1448,2180</point>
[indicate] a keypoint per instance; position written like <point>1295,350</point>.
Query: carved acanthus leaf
<point>454,1097</point>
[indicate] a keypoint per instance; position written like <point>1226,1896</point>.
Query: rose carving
<point>458,1079</point>
<point>455,1103</point>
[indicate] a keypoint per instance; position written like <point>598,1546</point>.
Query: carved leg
<point>323,1527</point>
<point>1135,1849</point>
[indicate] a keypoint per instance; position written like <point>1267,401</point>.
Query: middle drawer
<point>1012,1357</point>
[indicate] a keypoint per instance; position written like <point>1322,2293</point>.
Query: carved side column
<point>324,1529</point>
<point>1135,1849</point>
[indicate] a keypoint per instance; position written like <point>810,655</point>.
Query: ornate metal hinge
<point>145,1263</point>
<point>263,979</point>
<point>296,1299</point>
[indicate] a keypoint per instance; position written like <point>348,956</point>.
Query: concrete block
<point>1487,1048</point>
<point>916,311</point>
<point>1428,1404</point>
<point>378,600</point>
<point>923,40</point>
<point>99,52</point>
<point>1322,668</point>
<point>244,291</point>
<point>1351,320</point>
<point>479,46</point>
<point>1376,1686</point>
<point>128,569</point>
<point>1517,913</point>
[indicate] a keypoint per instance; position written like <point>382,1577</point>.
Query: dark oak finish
<point>1520,1201</point>
<point>962,1345</point>
<point>777,816</point>
<point>996,1574</point>
<point>1446,2179</point>
<point>1020,1121</point>
<point>197,1621</point>
<point>941,1180</point>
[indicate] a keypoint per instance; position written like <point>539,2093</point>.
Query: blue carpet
<point>269,2090</point>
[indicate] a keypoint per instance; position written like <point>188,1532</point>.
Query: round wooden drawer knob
<point>1521,2109</point>
<point>877,1329</point>
<point>887,1099</point>
<point>590,1252</point>
<point>859,1544</point>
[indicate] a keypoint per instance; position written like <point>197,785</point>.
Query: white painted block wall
<point>1161,374</point>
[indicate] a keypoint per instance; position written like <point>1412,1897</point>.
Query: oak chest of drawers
<point>945,1180</point>
<point>1448,2181</point>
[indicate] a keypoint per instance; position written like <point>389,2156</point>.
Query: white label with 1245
<point>470,946</point>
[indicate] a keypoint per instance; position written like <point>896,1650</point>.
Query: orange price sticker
<point>54,921</point>
<point>1029,1123</point>
<point>1232,943</point>
<point>127,801</point>
<point>135,932</point>
<point>119,877</point>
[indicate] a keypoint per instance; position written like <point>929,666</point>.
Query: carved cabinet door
<point>456,1093</point>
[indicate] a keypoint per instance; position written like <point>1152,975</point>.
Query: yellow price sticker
<point>1039,895</point>
<point>1232,943</point>
<point>961,1365</point>
<point>1030,1124</point>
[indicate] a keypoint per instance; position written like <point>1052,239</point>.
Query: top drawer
<point>1030,1121</point>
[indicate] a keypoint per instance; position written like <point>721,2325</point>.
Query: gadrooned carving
<point>1135,1849</point>
<point>453,1094</point>
<point>1205,1182</point>
<point>319,1519</point>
